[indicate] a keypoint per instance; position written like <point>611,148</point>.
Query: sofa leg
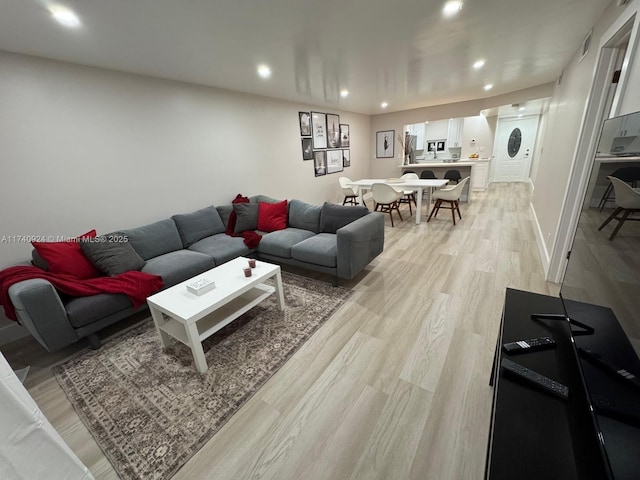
<point>94,341</point>
<point>335,281</point>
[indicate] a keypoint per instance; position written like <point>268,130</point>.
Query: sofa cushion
<point>304,215</point>
<point>110,256</point>
<point>279,243</point>
<point>334,217</point>
<point>196,225</point>
<point>224,211</point>
<point>176,267</point>
<point>272,216</point>
<point>222,248</point>
<point>321,249</point>
<point>84,311</point>
<point>154,239</point>
<point>246,216</point>
<point>67,258</point>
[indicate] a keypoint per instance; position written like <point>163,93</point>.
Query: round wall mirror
<point>515,140</point>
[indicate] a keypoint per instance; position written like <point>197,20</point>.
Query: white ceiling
<point>403,52</point>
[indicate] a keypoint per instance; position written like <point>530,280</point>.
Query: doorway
<point>604,102</point>
<point>513,148</point>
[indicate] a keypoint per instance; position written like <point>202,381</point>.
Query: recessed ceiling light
<point>384,104</point>
<point>264,71</point>
<point>451,8</point>
<point>344,93</point>
<point>520,115</point>
<point>489,86</point>
<point>521,109</point>
<point>64,16</point>
<point>478,64</point>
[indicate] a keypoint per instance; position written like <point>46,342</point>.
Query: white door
<point>513,149</point>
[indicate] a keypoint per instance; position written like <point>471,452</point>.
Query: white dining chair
<point>408,196</point>
<point>350,193</point>
<point>386,199</point>
<point>450,196</point>
<point>627,201</point>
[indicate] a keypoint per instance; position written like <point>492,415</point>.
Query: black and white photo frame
<point>334,161</point>
<point>305,124</point>
<point>333,130</point>
<point>307,149</point>
<point>384,143</point>
<point>320,162</point>
<point>346,158</point>
<point>319,129</point>
<point>345,138</point>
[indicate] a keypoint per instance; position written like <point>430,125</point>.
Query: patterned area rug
<point>150,410</point>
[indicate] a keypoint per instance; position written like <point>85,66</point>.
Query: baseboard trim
<point>542,248</point>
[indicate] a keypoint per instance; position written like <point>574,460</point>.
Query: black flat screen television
<point>601,288</point>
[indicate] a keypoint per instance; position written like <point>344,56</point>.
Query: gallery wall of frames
<point>326,141</point>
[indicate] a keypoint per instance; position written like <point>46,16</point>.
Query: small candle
<point>252,262</point>
<point>247,272</point>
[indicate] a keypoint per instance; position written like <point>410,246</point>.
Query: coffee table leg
<point>158,321</point>
<point>279,290</point>
<point>196,348</point>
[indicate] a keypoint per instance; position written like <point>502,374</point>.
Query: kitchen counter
<point>476,168</point>
<point>467,162</point>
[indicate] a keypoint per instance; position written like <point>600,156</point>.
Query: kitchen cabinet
<point>418,130</point>
<point>480,176</point>
<point>629,127</point>
<point>454,135</point>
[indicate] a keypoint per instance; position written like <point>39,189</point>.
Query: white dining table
<point>418,185</point>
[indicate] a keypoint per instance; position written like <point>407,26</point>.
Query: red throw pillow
<point>67,257</point>
<point>272,216</point>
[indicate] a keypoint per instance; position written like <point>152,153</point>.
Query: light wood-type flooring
<point>393,386</point>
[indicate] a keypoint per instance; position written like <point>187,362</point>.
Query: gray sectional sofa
<point>336,240</point>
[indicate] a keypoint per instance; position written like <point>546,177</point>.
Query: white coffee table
<point>191,318</point>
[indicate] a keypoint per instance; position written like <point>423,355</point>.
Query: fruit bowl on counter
<point>474,155</point>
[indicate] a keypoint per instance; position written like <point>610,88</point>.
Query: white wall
<point>564,124</point>
<point>85,148</point>
<point>481,129</point>
<point>538,150</point>
<point>389,167</point>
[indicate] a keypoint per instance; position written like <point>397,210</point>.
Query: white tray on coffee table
<point>190,318</point>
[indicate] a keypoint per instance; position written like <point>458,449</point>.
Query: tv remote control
<point>619,409</point>
<point>532,345</point>
<point>535,378</point>
<point>605,364</point>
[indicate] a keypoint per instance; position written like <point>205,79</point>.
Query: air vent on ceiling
<point>622,2</point>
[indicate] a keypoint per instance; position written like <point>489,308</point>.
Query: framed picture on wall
<point>307,149</point>
<point>333,130</point>
<point>384,143</point>
<point>319,130</point>
<point>586,45</point>
<point>334,161</point>
<point>346,158</point>
<point>435,145</point>
<point>320,162</point>
<point>344,135</point>
<point>305,123</point>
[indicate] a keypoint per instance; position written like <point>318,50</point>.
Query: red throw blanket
<point>251,238</point>
<point>135,285</point>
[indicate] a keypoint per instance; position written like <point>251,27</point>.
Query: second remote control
<point>535,378</point>
<point>532,345</point>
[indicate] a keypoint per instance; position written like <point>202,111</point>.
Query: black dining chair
<point>453,175</point>
<point>428,175</point>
